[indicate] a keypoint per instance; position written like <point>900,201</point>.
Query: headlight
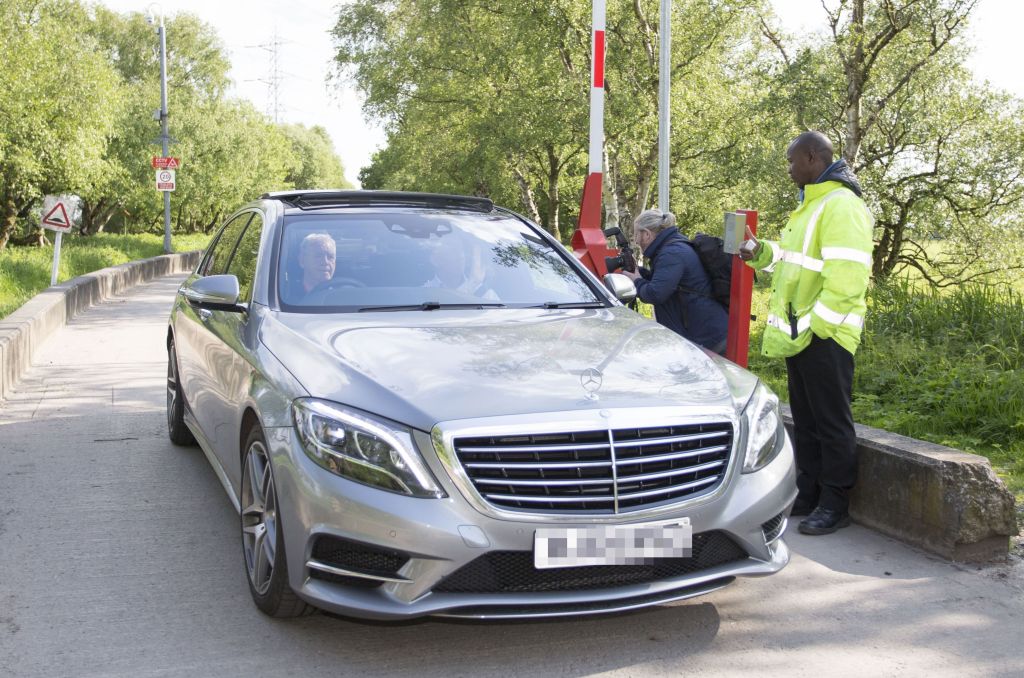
<point>765,434</point>
<point>368,451</point>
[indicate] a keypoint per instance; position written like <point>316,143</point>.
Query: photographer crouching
<point>676,283</point>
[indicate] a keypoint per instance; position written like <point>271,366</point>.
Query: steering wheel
<point>334,283</point>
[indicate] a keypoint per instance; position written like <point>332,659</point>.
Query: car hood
<point>424,367</point>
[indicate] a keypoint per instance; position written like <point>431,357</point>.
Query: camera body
<point>625,259</point>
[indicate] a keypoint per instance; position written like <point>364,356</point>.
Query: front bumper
<point>440,536</point>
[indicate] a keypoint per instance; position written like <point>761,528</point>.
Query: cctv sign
<point>165,180</point>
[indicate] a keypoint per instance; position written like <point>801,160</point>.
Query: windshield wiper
<point>569,304</point>
<point>429,306</point>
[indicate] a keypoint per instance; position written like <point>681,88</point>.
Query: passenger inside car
<point>459,265</point>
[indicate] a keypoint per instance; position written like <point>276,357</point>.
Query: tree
<point>493,98</point>
<point>316,164</point>
<point>940,157</point>
<point>56,113</point>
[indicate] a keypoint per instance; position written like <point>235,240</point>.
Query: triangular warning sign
<point>172,163</point>
<point>57,217</point>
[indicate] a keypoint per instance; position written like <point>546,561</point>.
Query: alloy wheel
<point>259,517</point>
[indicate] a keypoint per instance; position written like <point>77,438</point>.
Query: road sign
<point>165,180</point>
<point>60,212</point>
<point>165,163</point>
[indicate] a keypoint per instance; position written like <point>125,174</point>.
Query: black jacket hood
<point>841,172</point>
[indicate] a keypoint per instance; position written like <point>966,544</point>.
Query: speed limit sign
<point>165,180</point>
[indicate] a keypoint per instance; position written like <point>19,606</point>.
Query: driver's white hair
<point>317,238</point>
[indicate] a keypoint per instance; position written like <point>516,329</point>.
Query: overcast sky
<point>248,27</point>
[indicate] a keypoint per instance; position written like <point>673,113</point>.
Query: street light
<point>155,15</point>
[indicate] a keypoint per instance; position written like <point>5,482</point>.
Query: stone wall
<point>940,499</point>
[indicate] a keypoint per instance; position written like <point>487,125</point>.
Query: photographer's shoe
<point>824,521</point>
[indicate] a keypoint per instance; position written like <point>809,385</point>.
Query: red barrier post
<point>737,346</point>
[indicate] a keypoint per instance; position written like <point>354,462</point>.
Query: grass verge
<point>944,367</point>
<point>25,271</point>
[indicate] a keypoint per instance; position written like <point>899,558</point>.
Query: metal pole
<point>664,86</point>
<point>56,258</point>
<point>163,128</point>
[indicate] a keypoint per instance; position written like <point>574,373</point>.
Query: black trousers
<point>820,390</point>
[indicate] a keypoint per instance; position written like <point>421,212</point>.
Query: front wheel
<point>262,541</point>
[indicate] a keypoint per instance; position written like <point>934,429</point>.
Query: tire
<point>263,554</point>
<point>177,431</point>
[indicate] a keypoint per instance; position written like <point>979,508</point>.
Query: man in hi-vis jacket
<point>821,264</point>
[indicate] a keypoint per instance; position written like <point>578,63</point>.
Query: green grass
<point>25,271</point>
<point>946,367</point>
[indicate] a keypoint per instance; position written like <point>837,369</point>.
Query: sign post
<point>60,214</point>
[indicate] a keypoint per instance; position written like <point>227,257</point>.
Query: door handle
<point>205,314</point>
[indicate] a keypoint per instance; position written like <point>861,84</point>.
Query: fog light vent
<point>774,528</point>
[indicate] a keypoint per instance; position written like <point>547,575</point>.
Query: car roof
<point>329,198</point>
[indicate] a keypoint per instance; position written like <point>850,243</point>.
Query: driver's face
<point>317,262</point>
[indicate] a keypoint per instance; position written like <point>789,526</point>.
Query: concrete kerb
<point>939,499</point>
<point>22,332</point>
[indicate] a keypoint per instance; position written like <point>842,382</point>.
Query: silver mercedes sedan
<point>424,405</point>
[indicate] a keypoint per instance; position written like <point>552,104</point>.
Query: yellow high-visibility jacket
<point>822,265</point>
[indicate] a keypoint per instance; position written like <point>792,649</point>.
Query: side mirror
<point>621,286</point>
<point>217,292</point>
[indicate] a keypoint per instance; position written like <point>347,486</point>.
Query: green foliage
<point>25,271</point>
<point>944,367</point>
<point>85,125</point>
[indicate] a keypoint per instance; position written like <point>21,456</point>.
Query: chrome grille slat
<point>590,471</point>
<point>544,482</point>
<point>668,474</point>
<point>633,461</point>
<point>674,439</point>
<point>666,490</point>
<point>537,448</point>
<point>553,500</point>
<point>538,464</point>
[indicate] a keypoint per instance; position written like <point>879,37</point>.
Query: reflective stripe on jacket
<point>821,269</point>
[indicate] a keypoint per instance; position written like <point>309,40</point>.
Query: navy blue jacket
<point>696,317</point>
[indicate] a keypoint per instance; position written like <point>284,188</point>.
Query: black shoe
<point>824,521</point>
<point>801,508</point>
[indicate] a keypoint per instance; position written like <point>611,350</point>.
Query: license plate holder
<point>555,547</point>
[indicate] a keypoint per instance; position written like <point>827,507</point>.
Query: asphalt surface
<point>120,556</point>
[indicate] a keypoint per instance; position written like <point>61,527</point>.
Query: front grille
<point>602,471</point>
<point>355,557</point>
<point>513,571</point>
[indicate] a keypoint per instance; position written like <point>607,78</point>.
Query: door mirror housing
<point>216,292</point>
<point>621,286</point>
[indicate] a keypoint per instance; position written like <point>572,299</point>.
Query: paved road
<point>119,557</point>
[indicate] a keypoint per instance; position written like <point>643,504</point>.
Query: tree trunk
<point>611,201</point>
<point>854,86</point>
<point>526,193</point>
<point>645,178</point>
<point>8,221</point>
<point>554,172</point>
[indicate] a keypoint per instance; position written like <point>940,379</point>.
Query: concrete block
<point>942,500</point>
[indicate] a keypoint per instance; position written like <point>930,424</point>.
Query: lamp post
<point>155,15</point>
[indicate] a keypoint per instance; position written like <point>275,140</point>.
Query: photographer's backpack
<point>717,264</point>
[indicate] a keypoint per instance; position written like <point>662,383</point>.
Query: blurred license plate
<point>610,544</point>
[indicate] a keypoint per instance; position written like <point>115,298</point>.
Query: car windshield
<point>423,259</point>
